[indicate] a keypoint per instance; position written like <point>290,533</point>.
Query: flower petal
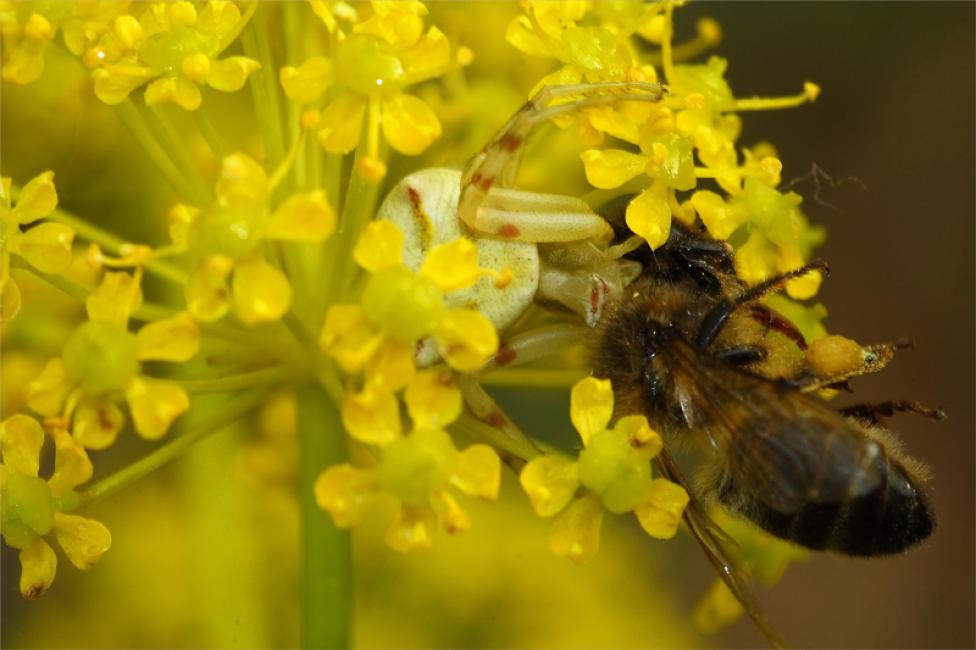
<point>114,83</point>
<point>308,82</point>
<point>413,529</point>
<point>46,247</point>
<point>242,181</point>
<point>639,434</point>
<point>348,336</point>
<point>37,199</point>
<point>478,472</point>
<point>341,123</point>
<point>10,300</point>
<point>466,339</point>
<point>21,439</point>
<point>372,416</point>
<point>660,516</point>
<point>720,218</point>
<point>261,292</point>
<point>47,393</point>
<point>83,540</point>
<point>72,466</point>
<point>717,608</point>
<point>591,406</point>
<point>453,518</point>
<point>609,168</point>
<point>550,481</point>
<point>155,403</point>
<point>391,366</point>
<point>172,339</point>
<point>38,564</point>
<point>649,216</point>
<point>409,124</point>
<point>302,218</point>
<point>433,399</point>
<point>97,421</point>
<point>175,89</point>
<point>379,246</point>
<point>114,299</point>
<point>344,491</point>
<point>207,294</point>
<point>453,265</point>
<point>575,533</point>
<point>231,74</point>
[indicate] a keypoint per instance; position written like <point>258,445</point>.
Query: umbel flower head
<point>415,469</point>
<point>229,240</point>
<point>102,358</point>
<point>32,507</point>
<point>612,472</point>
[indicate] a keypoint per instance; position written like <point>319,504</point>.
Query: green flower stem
<point>477,430</point>
<point>359,208</point>
<point>209,133</point>
<point>326,550</point>
<point>175,144</point>
<point>292,14</point>
<point>241,381</point>
<point>263,83</point>
<point>534,377</point>
<point>234,409</point>
<point>134,121</point>
<point>114,244</point>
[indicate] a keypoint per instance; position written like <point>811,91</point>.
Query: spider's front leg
<point>491,205</point>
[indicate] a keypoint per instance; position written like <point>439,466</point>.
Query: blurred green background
<point>205,556</point>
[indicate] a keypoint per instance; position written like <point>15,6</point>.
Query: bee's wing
<point>715,543</point>
<point>783,448</point>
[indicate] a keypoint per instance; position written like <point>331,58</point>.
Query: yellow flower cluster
<point>612,473</point>
<point>364,79</point>
<point>679,142</point>
<point>278,276</point>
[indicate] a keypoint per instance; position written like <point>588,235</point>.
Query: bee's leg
<point>490,205</point>
<point>715,320</point>
<point>872,412</point>
<point>742,355</point>
<point>872,359</point>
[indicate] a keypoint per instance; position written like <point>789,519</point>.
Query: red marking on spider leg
<point>509,230</point>
<point>596,294</point>
<point>506,355</point>
<point>484,184</point>
<point>511,142</point>
<point>496,419</point>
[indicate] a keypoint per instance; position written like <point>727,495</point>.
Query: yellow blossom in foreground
<point>173,46</point>
<point>102,359</point>
<point>32,507</point>
<point>229,239</point>
<point>398,308</point>
<point>46,247</point>
<point>612,473</point>
<point>416,469</point>
<point>371,67</point>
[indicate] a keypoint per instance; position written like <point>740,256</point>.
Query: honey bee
<point>691,347</point>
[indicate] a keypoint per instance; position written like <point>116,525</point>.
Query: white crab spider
<point>506,224</point>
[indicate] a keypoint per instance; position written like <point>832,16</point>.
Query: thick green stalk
<point>326,550</point>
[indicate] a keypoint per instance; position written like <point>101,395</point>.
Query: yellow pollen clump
<point>695,100</point>
<point>834,356</point>
<point>811,90</point>
<point>771,165</point>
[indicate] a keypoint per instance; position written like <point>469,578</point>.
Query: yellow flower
<point>415,469</point>
<point>612,473</point>
<point>26,34</point>
<point>32,507</point>
<point>229,238</point>
<point>46,247</point>
<point>176,47</point>
<point>102,359</point>
<point>398,308</point>
<point>371,67</point>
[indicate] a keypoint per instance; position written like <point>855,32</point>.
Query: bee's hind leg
<point>872,412</point>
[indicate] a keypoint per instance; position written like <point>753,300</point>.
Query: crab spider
<point>553,246</point>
